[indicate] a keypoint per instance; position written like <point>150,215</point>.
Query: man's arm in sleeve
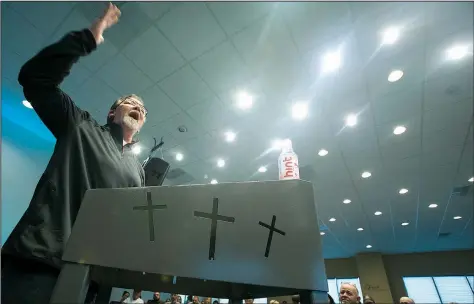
<point>42,75</point>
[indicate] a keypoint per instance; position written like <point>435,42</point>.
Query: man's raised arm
<point>42,75</point>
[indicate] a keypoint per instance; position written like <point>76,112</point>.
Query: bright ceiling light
<point>332,219</point>
<point>399,130</point>
<point>471,180</point>
<point>405,224</point>
<point>395,75</point>
<point>378,213</point>
<point>27,104</point>
<point>220,163</point>
<point>432,206</point>
<point>457,217</point>
<point>351,120</point>
<point>279,144</point>
<point>214,181</point>
<point>322,233</point>
<point>403,191</point>
<point>456,52</point>
<point>368,246</point>
<point>390,35</point>
<point>366,174</point>
<point>331,61</point>
<point>179,156</point>
<point>136,149</point>
<point>323,152</point>
<point>299,111</point>
<point>230,136</point>
<point>346,201</point>
<point>262,169</point>
<point>244,100</point>
<point>360,229</point>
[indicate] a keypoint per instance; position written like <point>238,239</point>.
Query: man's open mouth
<point>134,114</point>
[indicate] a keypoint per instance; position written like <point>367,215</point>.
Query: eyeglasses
<point>130,101</point>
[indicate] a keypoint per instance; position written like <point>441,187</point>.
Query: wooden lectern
<point>230,240</point>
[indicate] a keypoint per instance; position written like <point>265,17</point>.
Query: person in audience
<point>156,299</point>
<point>215,302</point>
<point>284,302</point>
<point>295,299</point>
<point>248,301</point>
<point>406,300</point>
<point>274,302</point>
<point>368,300</point>
<point>179,299</point>
<point>195,300</point>
<point>136,297</point>
<point>330,299</point>
<point>349,294</point>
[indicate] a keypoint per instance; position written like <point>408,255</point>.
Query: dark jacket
<point>86,155</point>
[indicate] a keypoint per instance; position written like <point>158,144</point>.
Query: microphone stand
<point>152,151</point>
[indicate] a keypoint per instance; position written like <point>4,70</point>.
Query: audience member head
<point>248,301</point>
<point>137,294</point>
<point>368,300</point>
<point>406,300</point>
<point>295,299</point>
<point>330,299</point>
<point>179,299</point>
<point>195,300</point>
<point>348,294</point>
<point>156,296</point>
<point>215,302</point>
<point>125,295</point>
<point>274,302</point>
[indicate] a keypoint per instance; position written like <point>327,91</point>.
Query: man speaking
<point>87,156</point>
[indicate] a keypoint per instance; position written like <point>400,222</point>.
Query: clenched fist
<point>109,18</point>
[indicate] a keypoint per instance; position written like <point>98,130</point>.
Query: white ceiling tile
<point>456,115</point>
<point>158,59</point>
<point>94,93</point>
<point>11,64</point>
<point>234,16</point>
<point>357,138</point>
<point>446,18</point>
<point>395,107</point>
<point>222,68</point>
<point>100,56</point>
<point>182,119</point>
<point>196,32</point>
<point>449,137</point>
<point>196,90</point>
<point>170,156</point>
<point>79,74</point>
<point>159,106</point>
<point>26,44</point>
<point>156,10</point>
<point>75,21</point>
<point>203,146</point>
<point>409,147</point>
<point>45,16</point>
<point>213,115</point>
<point>130,82</point>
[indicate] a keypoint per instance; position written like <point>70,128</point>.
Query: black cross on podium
<point>270,234</point>
<point>150,207</point>
<point>214,217</point>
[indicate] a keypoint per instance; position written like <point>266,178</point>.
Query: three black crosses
<point>214,217</point>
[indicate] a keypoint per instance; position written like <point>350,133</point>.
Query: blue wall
<point>26,147</point>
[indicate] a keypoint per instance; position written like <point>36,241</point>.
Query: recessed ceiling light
<point>262,169</point>
<point>360,229</point>
<point>300,111</point>
<point>457,217</point>
<point>244,100</point>
<point>405,224</point>
<point>179,156</point>
<point>457,52</point>
<point>366,174</point>
<point>399,130</point>
<point>136,149</point>
<point>378,213</point>
<point>27,104</point>
<point>403,191</point>
<point>346,201</point>
<point>331,61</point>
<point>332,219</point>
<point>220,163</point>
<point>432,206</point>
<point>471,180</point>
<point>214,181</point>
<point>323,152</point>
<point>390,35</point>
<point>368,246</point>
<point>230,136</point>
<point>351,120</point>
<point>395,75</point>
<point>322,233</point>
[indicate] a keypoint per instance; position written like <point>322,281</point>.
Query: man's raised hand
<point>109,18</point>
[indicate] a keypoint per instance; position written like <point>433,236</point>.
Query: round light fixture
<point>214,181</point>
<point>323,152</point>
<point>471,180</point>
<point>399,130</point>
<point>395,75</point>
<point>300,111</point>
<point>403,191</point>
<point>457,217</point>
<point>332,219</point>
<point>390,35</point>
<point>346,201</point>
<point>322,233</point>
<point>179,156</point>
<point>360,229</point>
<point>378,213</point>
<point>366,174</point>
<point>220,163</point>
<point>368,246</point>
<point>262,169</point>
<point>405,224</point>
<point>136,149</point>
<point>230,136</point>
<point>432,206</point>
<point>27,104</point>
<point>351,120</point>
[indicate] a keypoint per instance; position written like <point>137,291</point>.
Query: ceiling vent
<point>444,235</point>
<point>461,191</point>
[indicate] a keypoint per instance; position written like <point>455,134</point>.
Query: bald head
<point>348,294</point>
<point>406,300</point>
